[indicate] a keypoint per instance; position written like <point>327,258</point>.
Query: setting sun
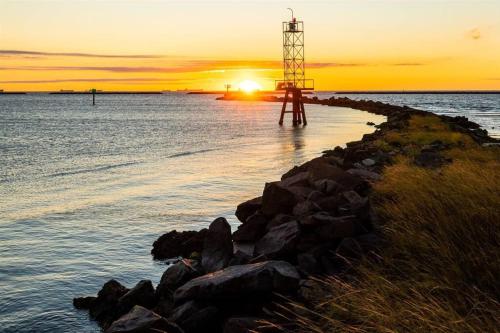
<point>249,86</point>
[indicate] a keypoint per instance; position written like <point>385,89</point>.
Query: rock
<point>277,199</point>
<point>248,208</point>
<point>175,276</point>
<point>430,159</point>
<point>308,264</point>
<point>316,219</point>
<point>339,227</point>
<point>218,246</point>
<point>83,302</point>
<point>249,325</point>
<point>329,204</point>
<point>354,199</point>
<point>305,207</point>
<point>300,179</point>
<point>345,180</point>
<point>195,316</point>
<point>315,196</point>
<point>174,244</point>
<point>142,320</point>
<point>279,241</point>
<point>369,123</point>
<point>142,294</point>
<point>326,186</point>
<point>246,248</point>
<point>365,174</point>
<point>240,258</point>
<point>252,229</point>
<point>104,308</point>
<point>279,220</point>
<point>368,162</point>
<point>235,282</point>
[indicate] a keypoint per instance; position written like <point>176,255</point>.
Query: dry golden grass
<point>441,268</point>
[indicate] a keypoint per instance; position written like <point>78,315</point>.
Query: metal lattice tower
<point>294,79</point>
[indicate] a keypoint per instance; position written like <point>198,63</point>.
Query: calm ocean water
<point>84,191</point>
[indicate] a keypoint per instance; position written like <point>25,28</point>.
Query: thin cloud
<point>409,64</point>
<point>75,54</point>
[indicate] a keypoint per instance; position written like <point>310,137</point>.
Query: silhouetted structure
<point>294,79</point>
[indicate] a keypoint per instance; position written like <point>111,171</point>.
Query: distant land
<point>218,92</point>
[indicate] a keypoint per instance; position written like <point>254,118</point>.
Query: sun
<point>249,86</point>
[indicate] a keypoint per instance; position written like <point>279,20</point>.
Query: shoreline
<point>301,226</point>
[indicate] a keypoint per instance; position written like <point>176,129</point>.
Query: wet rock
<point>277,199</point>
<point>142,320</point>
<point>279,241</point>
<point>195,316</point>
<point>178,244</point>
<point>248,208</point>
<point>218,246</point>
<point>104,308</point>
<point>252,229</point>
<point>234,282</point>
<point>176,275</point>
<point>305,207</point>
<point>249,325</point>
<point>83,302</point>
<point>142,294</point>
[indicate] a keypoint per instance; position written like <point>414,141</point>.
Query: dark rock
<point>329,204</point>
<point>142,320</point>
<point>252,229</point>
<point>347,181</point>
<point>308,264</point>
<point>195,316</point>
<point>339,227</point>
<point>176,275</point>
<point>300,179</point>
<point>240,258</point>
<point>368,162</point>
<point>142,294</point>
<point>326,186</point>
<point>104,308</point>
<point>279,241</point>
<point>430,159</point>
<point>250,325</point>
<point>365,174</point>
<point>315,196</point>
<point>248,208</point>
<point>305,207</point>
<point>218,246</point>
<point>279,220</point>
<point>316,219</point>
<point>246,248</point>
<point>174,244</point>
<point>83,302</point>
<point>369,123</point>
<point>277,199</point>
<point>235,282</point>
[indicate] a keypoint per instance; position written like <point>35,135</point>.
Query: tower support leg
<point>283,108</point>
<point>303,111</point>
<point>296,106</point>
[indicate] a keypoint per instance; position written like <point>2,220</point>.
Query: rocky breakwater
<point>316,220</point>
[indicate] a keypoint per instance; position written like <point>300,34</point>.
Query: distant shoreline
<point>347,92</point>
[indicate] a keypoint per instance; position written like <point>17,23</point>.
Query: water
<point>483,109</point>
<point>84,191</point>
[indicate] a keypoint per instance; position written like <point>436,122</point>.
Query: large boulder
<point>345,180</point>
<point>218,246</point>
<point>277,199</point>
<point>236,282</point>
<point>280,241</point>
<point>178,244</point>
<point>142,294</point>
<point>104,308</point>
<point>142,320</point>
<point>252,229</point>
<point>248,208</point>
<point>176,275</point>
<point>196,316</point>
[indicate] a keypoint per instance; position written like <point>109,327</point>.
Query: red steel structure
<point>294,79</point>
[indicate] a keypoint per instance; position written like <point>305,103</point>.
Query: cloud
<point>75,54</point>
<point>474,34</point>
<point>134,80</point>
<point>409,64</point>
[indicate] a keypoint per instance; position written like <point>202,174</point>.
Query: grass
<point>441,268</point>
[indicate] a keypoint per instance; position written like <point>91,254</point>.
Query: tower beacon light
<point>294,79</point>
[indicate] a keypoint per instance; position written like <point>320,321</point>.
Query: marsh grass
<point>440,269</point>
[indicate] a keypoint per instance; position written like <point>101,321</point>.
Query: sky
<point>168,45</point>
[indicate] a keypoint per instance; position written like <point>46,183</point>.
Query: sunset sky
<point>162,44</point>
